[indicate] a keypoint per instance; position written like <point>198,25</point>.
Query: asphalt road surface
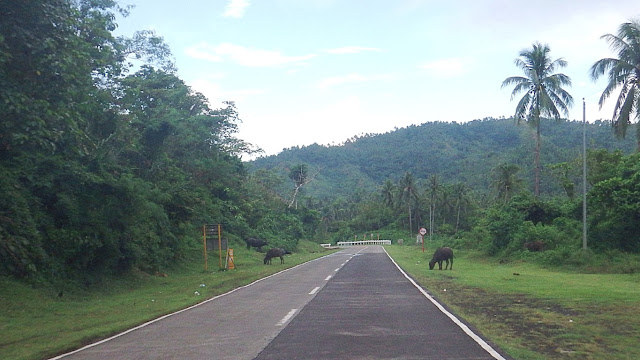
<point>353,304</point>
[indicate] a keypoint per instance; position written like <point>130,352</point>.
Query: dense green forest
<point>107,167</point>
<point>103,169</point>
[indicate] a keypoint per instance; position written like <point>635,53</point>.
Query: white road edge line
<point>315,290</point>
<point>287,317</point>
<point>327,278</point>
<point>179,311</point>
<point>336,270</point>
<point>460,324</point>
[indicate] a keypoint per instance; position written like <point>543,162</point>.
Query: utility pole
<point>584,176</point>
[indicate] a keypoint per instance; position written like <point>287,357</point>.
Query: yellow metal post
<point>204,243</point>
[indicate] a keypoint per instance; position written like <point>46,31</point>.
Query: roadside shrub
<point>529,233</point>
<point>615,208</point>
<point>502,225</point>
<point>477,238</point>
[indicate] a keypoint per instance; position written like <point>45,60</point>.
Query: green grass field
<point>532,312</point>
<point>529,311</point>
<point>37,323</point>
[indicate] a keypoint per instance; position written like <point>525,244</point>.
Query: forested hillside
<point>456,152</point>
<point>471,184</point>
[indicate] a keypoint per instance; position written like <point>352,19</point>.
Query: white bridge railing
<point>364,242</point>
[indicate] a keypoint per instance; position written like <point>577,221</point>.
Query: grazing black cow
<point>275,252</point>
<point>256,243</point>
<point>442,254</point>
<point>534,246</point>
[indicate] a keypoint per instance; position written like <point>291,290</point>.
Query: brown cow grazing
<point>534,246</point>
<point>275,252</point>
<point>442,254</point>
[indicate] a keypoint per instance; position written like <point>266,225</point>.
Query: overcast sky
<point>323,71</point>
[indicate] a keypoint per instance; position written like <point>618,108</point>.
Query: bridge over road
<point>353,304</point>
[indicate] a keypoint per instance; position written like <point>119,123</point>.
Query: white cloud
<point>451,67</point>
<point>204,52</point>
<point>351,50</point>
<point>244,56</point>
<point>216,94</point>
<point>236,8</point>
<point>352,78</point>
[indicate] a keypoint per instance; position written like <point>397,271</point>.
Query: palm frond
<point>548,104</point>
<point>514,80</point>
<point>623,73</point>
<point>616,43</point>
<point>558,80</point>
<point>522,108</point>
<point>601,66</point>
<point>622,111</point>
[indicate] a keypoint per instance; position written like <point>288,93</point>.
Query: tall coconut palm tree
<point>623,73</point>
<point>460,193</point>
<point>409,194</point>
<point>506,181</point>
<point>434,188</point>
<point>544,95</point>
<point>388,192</point>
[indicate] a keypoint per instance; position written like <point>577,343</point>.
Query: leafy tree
<point>544,95</point>
<point>502,224</point>
<point>58,59</point>
<point>602,164</point>
<point>561,171</point>
<point>614,205</point>
<point>623,73</point>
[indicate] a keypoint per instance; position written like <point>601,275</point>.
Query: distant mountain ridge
<point>465,152</point>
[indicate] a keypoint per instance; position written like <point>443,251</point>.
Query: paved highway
<point>353,304</point>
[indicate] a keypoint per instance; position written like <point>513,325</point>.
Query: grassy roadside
<point>532,312</point>
<point>37,323</point>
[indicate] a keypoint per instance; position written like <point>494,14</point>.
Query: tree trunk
<point>537,161</point>
<point>431,218</point>
<point>295,193</point>
<point>458,218</point>
<point>410,224</point>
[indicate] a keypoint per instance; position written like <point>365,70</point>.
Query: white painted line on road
<point>327,278</point>
<point>186,309</point>
<point>460,324</point>
<point>315,290</point>
<point>286,318</point>
<point>336,270</point>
